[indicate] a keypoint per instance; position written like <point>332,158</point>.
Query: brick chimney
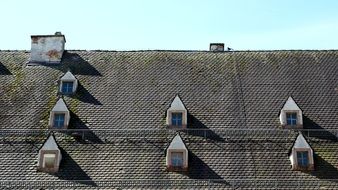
<point>47,49</point>
<point>216,47</point>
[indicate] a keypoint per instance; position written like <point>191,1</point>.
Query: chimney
<point>47,49</point>
<point>216,47</point>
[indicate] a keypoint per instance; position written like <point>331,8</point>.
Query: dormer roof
<point>301,142</point>
<point>50,144</point>
<point>68,76</point>
<point>177,143</point>
<point>60,106</point>
<point>177,104</point>
<point>290,104</point>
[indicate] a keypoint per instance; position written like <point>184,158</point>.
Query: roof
<point>177,104</point>
<point>50,144</point>
<point>301,142</point>
<point>177,143</point>
<point>234,100</point>
<point>68,76</point>
<point>290,104</point>
<point>60,106</point>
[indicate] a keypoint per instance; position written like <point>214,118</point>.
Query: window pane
<point>302,158</point>
<point>176,119</point>
<point>177,159</point>
<point>49,160</point>
<point>291,118</point>
<point>59,120</point>
<point>67,87</point>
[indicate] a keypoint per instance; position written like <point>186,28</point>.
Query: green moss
<point>52,92</point>
<point>12,90</point>
<point>164,120</point>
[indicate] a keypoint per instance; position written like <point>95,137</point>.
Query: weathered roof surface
<point>224,93</point>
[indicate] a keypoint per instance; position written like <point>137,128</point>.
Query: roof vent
<point>216,47</point>
<point>47,49</point>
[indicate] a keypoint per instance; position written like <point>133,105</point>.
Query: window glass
<point>67,87</point>
<point>59,120</point>
<point>176,119</point>
<point>49,160</point>
<point>177,159</point>
<point>291,118</point>
<point>302,158</point>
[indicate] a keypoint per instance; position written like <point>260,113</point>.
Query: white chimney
<point>216,47</point>
<point>47,48</point>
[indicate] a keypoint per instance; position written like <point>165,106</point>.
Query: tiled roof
<point>232,98</point>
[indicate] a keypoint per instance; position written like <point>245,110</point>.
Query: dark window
<point>176,119</point>
<point>67,87</point>
<point>49,160</point>
<point>291,118</point>
<point>302,159</point>
<point>59,120</point>
<point>177,159</point>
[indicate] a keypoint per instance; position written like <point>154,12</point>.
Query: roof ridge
<point>207,51</point>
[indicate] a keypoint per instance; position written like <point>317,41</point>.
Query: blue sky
<point>173,24</point>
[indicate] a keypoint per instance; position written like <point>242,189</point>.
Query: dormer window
<point>177,159</point>
<point>68,84</point>
<point>301,156</point>
<point>291,115</point>
<point>177,155</point>
<point>59,120</point>
<point>67,87</point>
<point>59,116</point>
<point>49,156</point>
<point>177,114</point>
<point>176,119</point>
<point>49,160</point>
<point>291,118</point>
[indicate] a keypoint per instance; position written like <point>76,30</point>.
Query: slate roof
<point>233,101</point>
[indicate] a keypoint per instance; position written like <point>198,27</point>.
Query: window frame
<point>55,118</point>
<point>68,87</point>
<point>176,159</point>
<point>44,160</point>
<point>178,119</point>
<point>300,157</point>
<point>292,119</point>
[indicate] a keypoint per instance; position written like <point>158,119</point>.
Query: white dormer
<point>59,116</point>
<point>177,155</point>
<point>301,156</point>
<point>49,156</point>
<point>68,83</point>
<point>291,115</point>
<point>177,114</point>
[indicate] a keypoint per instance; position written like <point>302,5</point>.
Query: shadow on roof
<point>324,169</point>
<point>70,170</point>
<point>86,136</point>
<point>77,65</point>
<point>201,129</point>
<point>200,170</point>
<point>84,95</point>
<point>320,134</point>
<point>4,70</point>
